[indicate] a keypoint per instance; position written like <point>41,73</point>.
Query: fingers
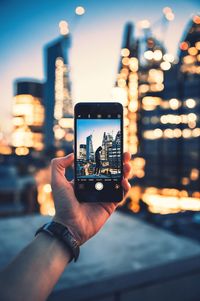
<point>126,185</point>
<point>58,166</point>
<point>126,157</point>
<point>63,162</point>
<point>72,183</point>
<point>126,170</point>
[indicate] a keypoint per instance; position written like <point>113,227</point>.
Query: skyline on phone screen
<point>98,148</point>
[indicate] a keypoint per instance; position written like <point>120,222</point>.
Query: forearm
<point>35,271</point>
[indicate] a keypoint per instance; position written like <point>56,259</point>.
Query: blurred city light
<point>148,55</point>
<point>157,55</point>
<point>168,57</point>
<point>125,52</point>
<point>80,10</point>
<point>144,24</point>
<point>174,103</point>
<point>168,13</point>
<point>196,19</point>
<point>28,118</point>
<point>165,66</point>
<point>64,27</point>
<point>190,103</point>
<point>184,45</point>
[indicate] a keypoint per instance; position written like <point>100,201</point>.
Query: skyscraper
<point>189,93</point>
<point>28,117</point>
<point>89,149</point>
<point>162,125</point>
<point>168,118</point>
<point>114,152</point>
<point>106,144</point>
<point>58,103</point>
<point>82,152</point>
<point>151,86</point>
<point>126,88</point>
<point>171,133</point>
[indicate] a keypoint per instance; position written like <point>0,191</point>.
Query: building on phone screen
<point>82,152</point>
<point>89,149</point>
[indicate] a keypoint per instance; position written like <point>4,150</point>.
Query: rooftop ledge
<point>126,260</point>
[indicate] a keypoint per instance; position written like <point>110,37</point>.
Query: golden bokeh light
<point>192,51</point>
<point>196,19</point>
<point>165,66</point>
<point>80,10</point>
<point>144,24</point>
<point>64,27</point>
<point>190,103</point>
<point>125,52</point>
<point>157,55</point>
<point>148,55</point>
<point>168,57</point>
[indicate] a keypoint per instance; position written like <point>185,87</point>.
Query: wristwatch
<point>62,233</point>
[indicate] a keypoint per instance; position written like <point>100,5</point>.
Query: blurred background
<point>145,55</point>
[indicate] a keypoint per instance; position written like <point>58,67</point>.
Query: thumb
<point>58,166</point>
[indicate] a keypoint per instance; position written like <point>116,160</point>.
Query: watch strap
<point>63,234</point>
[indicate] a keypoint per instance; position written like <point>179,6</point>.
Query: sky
<point>26,26</point>
<point>96,128</point>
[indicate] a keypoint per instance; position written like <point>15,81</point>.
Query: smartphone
<point>98,152</point>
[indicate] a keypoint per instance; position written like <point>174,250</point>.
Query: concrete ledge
<point>127,260</point>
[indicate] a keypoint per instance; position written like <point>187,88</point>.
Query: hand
<point>82,219</point>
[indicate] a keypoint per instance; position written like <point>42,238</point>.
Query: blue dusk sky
<point>96,128</point>
<point>26,26</point>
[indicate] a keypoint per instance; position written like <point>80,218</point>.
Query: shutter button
<point>99,186</point>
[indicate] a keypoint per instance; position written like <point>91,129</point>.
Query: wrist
<point>50,241</point>
<point>73,230</point>
<point>63,234</point>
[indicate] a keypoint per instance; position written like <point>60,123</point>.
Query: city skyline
<point>100,126</point>
<point>18,64</point>
<point>161,101</point>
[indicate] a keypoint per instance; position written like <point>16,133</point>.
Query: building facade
<point>170,128</point>
<point>89,149</point>
<point>165,127</point>
<point>114,153</point>
<point>28,117</point>
<point>126,88</point>
<point>58,102</point>
<point>106,144</point>
<point>82,152</point>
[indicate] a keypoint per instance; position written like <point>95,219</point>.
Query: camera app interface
<point>98,150</point>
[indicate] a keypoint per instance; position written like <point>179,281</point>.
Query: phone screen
<point>99,143</point>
